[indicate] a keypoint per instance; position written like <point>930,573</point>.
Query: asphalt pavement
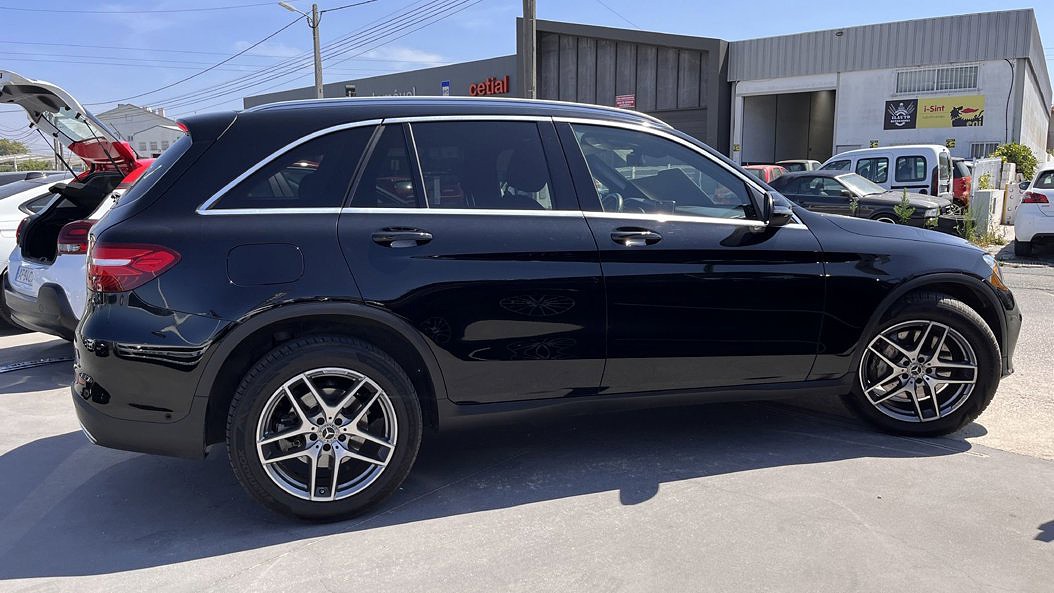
<point>794,496</point>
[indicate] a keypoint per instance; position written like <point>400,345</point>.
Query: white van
<point>921,168</point>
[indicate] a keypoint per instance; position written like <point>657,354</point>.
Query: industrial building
<point>970,82</point>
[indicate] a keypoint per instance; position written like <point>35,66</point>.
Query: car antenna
<point>113,162</point>
<point>57,153</point>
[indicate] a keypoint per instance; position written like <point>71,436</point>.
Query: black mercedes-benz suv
<point>316,283</point>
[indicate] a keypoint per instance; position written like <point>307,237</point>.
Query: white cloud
<point>404,55</point>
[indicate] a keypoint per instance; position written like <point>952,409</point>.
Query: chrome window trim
<point>255,211</point>
<point>466,211</point>
<point>205,206</point>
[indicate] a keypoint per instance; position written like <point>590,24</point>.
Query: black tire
<point>886,218</point>
<point>941,308</point>
<point>6,322</point>
<point>286,362</point>
<point>1023,248</point>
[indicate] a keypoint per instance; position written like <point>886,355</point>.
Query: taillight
<point>1034,197</point>
<point>21,229</point>
<point>934,179</point>
<point>73,238</point>
<point>116,267</point>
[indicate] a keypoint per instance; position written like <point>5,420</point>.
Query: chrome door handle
<point>630,237</point>
<point>400,237</point>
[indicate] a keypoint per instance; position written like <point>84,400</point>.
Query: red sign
<point>626,101</point>
<point>491,86</point>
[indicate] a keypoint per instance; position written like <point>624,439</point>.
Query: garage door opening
<point>788,126</point>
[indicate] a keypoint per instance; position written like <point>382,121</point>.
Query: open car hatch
<point>57,114</point>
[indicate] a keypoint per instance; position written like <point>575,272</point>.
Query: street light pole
<point>530,40</point>
<point>312,21</point>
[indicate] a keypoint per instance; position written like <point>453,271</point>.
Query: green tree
<point>1020,155</point>
<point>904,210</point>
<point>12,147</point>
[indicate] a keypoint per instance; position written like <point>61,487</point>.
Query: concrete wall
<point>1035,116</point>
<point>426,82</point>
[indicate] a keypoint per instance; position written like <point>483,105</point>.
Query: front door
<point>471,231</point>
<point>699,292</point>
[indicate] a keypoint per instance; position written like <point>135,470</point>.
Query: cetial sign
<point>491,86</point>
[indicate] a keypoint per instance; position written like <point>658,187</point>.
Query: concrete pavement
<point>737,497</point>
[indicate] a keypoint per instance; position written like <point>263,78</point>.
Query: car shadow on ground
<point>50,361</point>
<point>1043,255</point>
<point>70,508</point>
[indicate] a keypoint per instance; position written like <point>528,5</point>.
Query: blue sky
<point>168,46</point>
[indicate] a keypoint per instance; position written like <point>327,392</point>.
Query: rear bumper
<point>49,312</point>
<point>183,438</point>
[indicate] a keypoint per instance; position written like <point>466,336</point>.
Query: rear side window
<point>156,170</point>
<point>315,174</point>
<point>875,169</point>
<point>387,180</point>
<point>1045,180</point>
<point>484,164</point>
<point>837,165</point>
<point>911,168</point>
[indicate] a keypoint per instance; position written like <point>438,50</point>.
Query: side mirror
<point>846,193</point>
<point>1023,186</point>
<point>777,213</point>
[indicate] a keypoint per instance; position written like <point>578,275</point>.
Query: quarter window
<point>875,169</point>
<point>388,181</point>
<point>315,174</point>
<point>636,172</point>
<point>911,168</point>
<point>485,165</point>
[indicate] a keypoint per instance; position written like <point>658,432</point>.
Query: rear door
<point>700,294</point>
<point>484,249</point>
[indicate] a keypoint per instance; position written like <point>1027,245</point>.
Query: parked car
<point>766,173</point>
<point>10,177</point>
<point>796,165</point>
<point>962,181</point>
<point>31,197</point>
<point>920,168</point>
<point>44,289</point>
<point>834,192</point>
<point>1034,220</point>
<point>594,257</point>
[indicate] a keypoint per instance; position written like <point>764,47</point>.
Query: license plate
<point>24,275</point>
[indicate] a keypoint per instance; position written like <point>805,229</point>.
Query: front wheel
<point>929,370</point>
<point>323,428</point>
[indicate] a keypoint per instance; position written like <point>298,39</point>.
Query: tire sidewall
<point>989,368</point>
<point>271,373</point>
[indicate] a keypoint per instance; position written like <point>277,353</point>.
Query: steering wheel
<point>612,202</point>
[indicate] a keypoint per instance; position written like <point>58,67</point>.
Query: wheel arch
<point>971,290</point>
<point>255,336</point>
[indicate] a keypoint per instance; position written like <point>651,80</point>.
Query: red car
<point>766,173</point>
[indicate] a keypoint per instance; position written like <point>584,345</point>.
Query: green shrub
<point>904,209</point>
<point>1020,155</point>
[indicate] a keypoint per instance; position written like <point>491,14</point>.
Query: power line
<point>195,75</point>
<point>618,14</point>
<point>122,11</point>
<point>350,44</point>
<point>233,68</point>
<point>347,6</point>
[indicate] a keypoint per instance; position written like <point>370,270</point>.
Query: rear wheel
<point>323,428</point>
<point>6,322</point>
<point>1023,248</point>
<point>929,370</point>
<point>885,218</point>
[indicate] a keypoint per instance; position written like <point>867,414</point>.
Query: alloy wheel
<point>326,434</point>
<point>918,371</point>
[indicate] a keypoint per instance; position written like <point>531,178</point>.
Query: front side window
<point>842,165</point>
<point>315,174</point>
<point>911,168</point>
<point>637,172</point>
<point>484,165</point>
<point>875,169</point>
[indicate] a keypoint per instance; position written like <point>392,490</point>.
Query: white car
<point>45,287</point>
<point>1034,220</point>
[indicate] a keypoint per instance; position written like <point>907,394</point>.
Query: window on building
<point>164,145</point>
<point>142,147</point>
<point>876,169</point>
<point>911,168</point>
<point>153,146</point>
<point>924,80</point>
<point>484,165</point>
<point>980,150</point>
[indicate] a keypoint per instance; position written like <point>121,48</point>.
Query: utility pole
<point>530,46</point>
<point>312,21</point>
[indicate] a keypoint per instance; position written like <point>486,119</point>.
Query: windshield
<point>760,174</point>
<point>794,166</point>
<point>861,185</point>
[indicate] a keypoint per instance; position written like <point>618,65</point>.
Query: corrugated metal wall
<point>944,40</point>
